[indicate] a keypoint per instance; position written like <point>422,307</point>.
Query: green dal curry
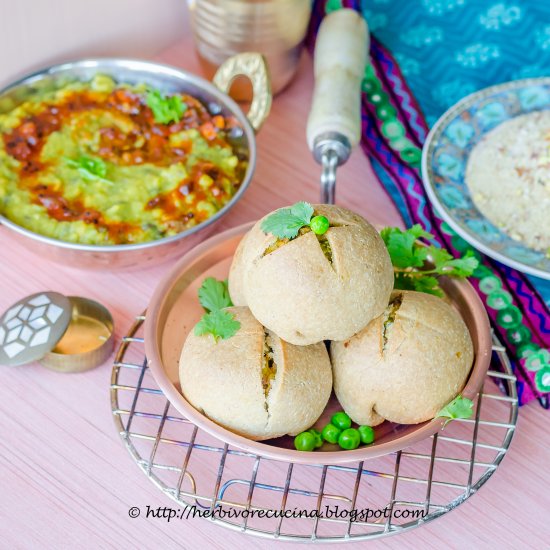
<point>94,163</point>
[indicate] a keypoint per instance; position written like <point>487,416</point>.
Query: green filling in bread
<point>269,368</point>
<point>390,315</point>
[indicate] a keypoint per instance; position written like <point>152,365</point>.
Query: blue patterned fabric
<point>448,49</point>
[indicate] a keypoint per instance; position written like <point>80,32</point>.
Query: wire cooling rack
<point>402,490</point>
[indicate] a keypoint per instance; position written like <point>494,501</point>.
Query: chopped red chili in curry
<point>147,142</point>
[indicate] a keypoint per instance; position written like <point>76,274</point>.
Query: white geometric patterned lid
<point>32,327</point>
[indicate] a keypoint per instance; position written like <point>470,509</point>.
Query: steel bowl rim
<point>428,181</point>
<point>97,62</point>
<point>473,384</point>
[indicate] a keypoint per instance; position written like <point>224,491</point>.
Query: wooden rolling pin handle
<point>339,64</point>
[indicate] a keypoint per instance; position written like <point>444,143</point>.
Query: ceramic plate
<point>444,160</point>
<point>174,309</point>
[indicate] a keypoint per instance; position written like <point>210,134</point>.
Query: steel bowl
<point>174,309</point>
<point>170,80</point>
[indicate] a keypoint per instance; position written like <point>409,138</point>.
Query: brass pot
<point>275,28</point>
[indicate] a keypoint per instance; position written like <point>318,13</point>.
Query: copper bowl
<point>174,309</point>
<point>170,80</point>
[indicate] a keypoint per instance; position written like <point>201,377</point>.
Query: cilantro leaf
<point>416,231</point>
<point>95,166</point>
<point>286,222</point>
<point>165,109</point>
<point>427,284</point>
<point>90,168</point>
<point>409,259</point>
<point>461,267</point>
<point>402,246</point>
<point>402,281</point>
<point>439,256</point>
<point>302,210</point>
<point>214,294</point>
<point>282,224</point>
<point>459,407</point>
<point>218,323</point>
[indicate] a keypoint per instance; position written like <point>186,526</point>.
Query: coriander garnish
<point>286,222</point>
<point>218,323</point>
<point>165,109</point>
<point>214,294</point>
<point>459,407</point>
<point>90,168</point>
<point>214,297</point>
<point>408,257</point>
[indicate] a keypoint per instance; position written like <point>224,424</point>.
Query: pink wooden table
<point>66,479</point>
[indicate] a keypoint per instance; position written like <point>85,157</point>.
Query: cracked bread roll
<point>236,275</point>
<point>406,365</point>
<point>254,383</point>
<point>314,287</point>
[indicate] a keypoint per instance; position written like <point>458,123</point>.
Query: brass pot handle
<point>254,67</point>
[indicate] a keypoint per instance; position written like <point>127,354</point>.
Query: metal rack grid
<point>428,479</point>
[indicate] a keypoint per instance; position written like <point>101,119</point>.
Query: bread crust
<point>410,375</point>
<point>297,293</point>
<point>236,273</point>
<point>223,380</point>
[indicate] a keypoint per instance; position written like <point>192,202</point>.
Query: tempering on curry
<point>100,163</point>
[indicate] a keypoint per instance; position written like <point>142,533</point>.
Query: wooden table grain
<point>66,480</point>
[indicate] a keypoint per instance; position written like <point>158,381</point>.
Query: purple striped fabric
<point>407,183</point>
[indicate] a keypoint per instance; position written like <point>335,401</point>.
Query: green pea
<point>367,434</point>
<point>331,433</point>
<point>341,420</point>
<point>318,437</point>
<point>349,439</point>
<point>304,441</point>
<point>319,225</point>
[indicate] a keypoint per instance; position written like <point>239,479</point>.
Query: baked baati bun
<point>254,383</point>
<point>406,365</point>
<point>236,275</point>
<point>314,287</point>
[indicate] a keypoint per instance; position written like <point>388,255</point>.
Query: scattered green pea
<point>304,441</point>
<point>318,437</point>
<point>338,431</point>
<point>341,420</point>
<point>331,433</point>
<point>319,225</point>
<point>366,434</point>
<point>349,439</point>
